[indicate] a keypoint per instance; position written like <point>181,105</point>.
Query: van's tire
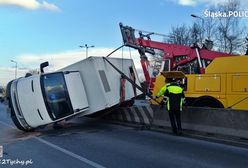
<point>16,122</point>
<point>13,115</point>
<point>8,89</point>
<point>207,101</point>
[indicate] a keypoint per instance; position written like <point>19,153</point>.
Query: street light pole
<point>86,47</point>
<point>15,67</point>
<point>203,30</point>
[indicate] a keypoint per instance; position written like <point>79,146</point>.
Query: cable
<point>115,50</point>
<point>130,53</point>
<point>129,80</point>
<point>122,59</point>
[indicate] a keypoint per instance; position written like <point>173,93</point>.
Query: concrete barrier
<point>139,114</point>
<point>208,120</point>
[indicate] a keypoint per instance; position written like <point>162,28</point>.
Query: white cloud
<point>59,60</point>
<point>205,2</point>
<point>49,6</point>
<point>30,4</point>
<point>62,59</point>
<point>187,2</point>
<point>8,74</point>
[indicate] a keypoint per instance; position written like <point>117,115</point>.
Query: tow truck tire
<point>207,101</point>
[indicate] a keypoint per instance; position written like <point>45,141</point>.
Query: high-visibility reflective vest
<point>162,90</point>
<point>175,96</point>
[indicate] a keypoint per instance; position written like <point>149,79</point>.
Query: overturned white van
<point>83,88</point>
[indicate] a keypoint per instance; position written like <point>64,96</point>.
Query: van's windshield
<point>55,95</point>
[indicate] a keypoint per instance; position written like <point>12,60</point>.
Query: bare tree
<point>184,35</point>
<point>209,28</point>
<point>196,33</point>
<point>180,35</point>
<point>229,35</point>
<point>156,61</point>
<point>246,45</point>
<point>225,33</point>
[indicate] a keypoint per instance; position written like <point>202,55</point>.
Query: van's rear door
<point>76,91</point>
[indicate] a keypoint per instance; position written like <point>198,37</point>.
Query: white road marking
<point>87,161</point>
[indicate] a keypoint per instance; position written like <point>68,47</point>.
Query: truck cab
<point>43,99</point>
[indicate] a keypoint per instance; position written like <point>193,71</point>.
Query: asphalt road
<point>94,143</point>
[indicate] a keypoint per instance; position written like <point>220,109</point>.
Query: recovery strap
<point>132,77</point>
<point>122,89</point>
<point>129,80</point>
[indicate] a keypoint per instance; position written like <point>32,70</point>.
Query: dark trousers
<point>175,120</point>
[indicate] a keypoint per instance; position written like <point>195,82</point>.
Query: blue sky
<point>83,21</point>
<point>32,31</point>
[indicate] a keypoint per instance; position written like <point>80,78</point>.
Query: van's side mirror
<point>43,65</point>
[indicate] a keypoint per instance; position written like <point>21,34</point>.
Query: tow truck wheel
<point>207,101</point>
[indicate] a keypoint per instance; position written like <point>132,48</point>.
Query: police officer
<point>173,98</point>
<point>163,89</point>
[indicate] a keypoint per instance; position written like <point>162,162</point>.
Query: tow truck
<point>213,79</point>
<point>189,60</point>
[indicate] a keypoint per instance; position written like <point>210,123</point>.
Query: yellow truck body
<point>224,84</point>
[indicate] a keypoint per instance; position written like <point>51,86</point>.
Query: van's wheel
<point>16,122</point>
<point>207,101</point>
<point>13,115</point>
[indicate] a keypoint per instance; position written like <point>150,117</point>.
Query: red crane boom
<point>190,60</point>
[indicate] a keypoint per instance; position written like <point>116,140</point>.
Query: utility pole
<point>15,67</point>
<point>86,47</point>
